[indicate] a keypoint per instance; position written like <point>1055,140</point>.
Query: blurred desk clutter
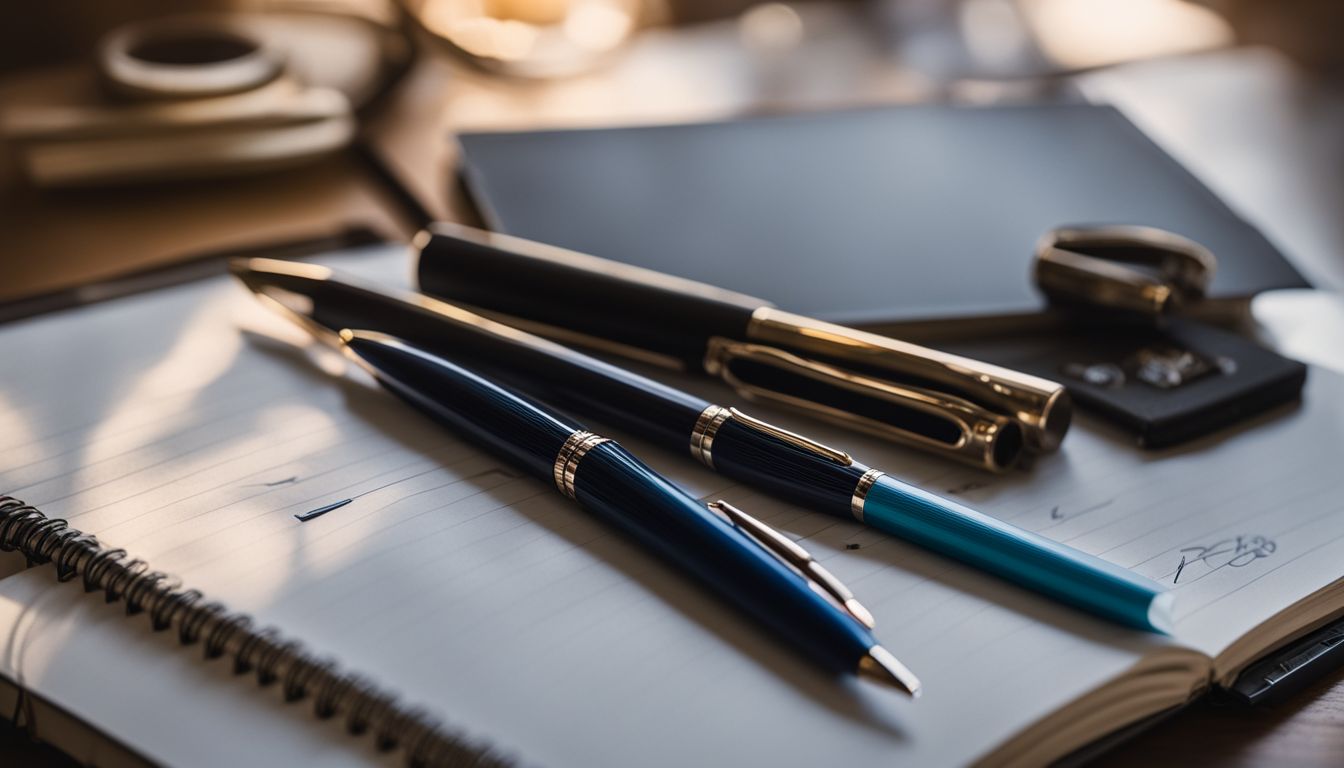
<point>97,180</point>
<point>905,232</point>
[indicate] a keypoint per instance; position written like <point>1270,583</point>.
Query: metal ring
<point>861,490</point>
<point>562,457</point>
<point>568,457</point>
<point>702,436</point>
<point>186,57</point>
<point>1111,267</point>
<point>572,465</point>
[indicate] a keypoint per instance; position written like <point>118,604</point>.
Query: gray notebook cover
<point>892,215</point>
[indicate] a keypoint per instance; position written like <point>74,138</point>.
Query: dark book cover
<point>898,215</point>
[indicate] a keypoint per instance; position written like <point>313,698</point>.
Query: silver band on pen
<point>861,490</point>
<point>567,459</point>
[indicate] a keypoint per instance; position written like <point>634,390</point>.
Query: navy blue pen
<point>722,552</point>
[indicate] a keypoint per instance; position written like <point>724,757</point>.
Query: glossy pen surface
<point>620,489</point>
<point>936,401</point>
<point>800,471</point>
<point>1018,555</point>
<point>325,302</point>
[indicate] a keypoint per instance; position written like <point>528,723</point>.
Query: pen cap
<point>595,302</point>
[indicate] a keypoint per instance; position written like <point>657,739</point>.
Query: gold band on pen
<point>702,436</point>
<point>861,490</point>
<point>570,454</point>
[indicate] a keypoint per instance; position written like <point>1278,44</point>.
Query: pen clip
<point>792,438</point>
<point>913,415</point>
<point>792,554</point>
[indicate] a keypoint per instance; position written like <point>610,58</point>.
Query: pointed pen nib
<point>857,610</point>
<point>880,666</point>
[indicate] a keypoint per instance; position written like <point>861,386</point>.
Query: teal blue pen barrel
<point>620,489</point>
<point>1020,556</point>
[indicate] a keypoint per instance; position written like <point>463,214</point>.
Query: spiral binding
<point>264,651</point>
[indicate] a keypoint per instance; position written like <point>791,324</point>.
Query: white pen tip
<point>857,610</point>
<point>880,666</point>
<point>1161,613</point>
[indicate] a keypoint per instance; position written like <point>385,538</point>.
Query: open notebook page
<point>203,427</point>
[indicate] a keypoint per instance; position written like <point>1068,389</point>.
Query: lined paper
<point>191,427</point>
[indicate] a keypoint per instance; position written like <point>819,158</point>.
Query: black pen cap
<point>614,306</point>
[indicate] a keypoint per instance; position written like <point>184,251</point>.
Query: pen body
<point>610,482</point>
<point>559,375</point>
<point>510,426</point>
<point>793,473</point>
<point>1018,555</point>
<point>542,368</point>
<point>623,491</point>
<point>577,292</point>
<point>963,409</point>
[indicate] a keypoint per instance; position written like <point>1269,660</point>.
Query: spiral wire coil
<point>273,658</point>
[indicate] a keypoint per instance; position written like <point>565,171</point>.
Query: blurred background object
<point>1177,67</point>
<point>274,152</point>
<point>1306,30</point>
<point>200,94</point>
<point>530,38</point>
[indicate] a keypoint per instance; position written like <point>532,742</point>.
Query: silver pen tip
<point>880,666</point>
<point>857,610</point>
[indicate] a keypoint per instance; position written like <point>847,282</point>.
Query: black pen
<point>725,440</point>
<point>960,408</point>
<point>709,542</point>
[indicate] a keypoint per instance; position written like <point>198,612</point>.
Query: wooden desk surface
<point>1307,731</point>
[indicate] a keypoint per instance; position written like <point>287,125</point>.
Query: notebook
<point>189,427</point>
<point>871,217</point>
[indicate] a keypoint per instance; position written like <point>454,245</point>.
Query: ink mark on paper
<point>1234,552</point>
<point>274,483</point>
<point>1056,513</point>
<point>320,511</point>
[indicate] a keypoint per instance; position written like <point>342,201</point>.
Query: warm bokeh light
<point>771,27</point>
<point>1087,33</point>
<point>532,37</point>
